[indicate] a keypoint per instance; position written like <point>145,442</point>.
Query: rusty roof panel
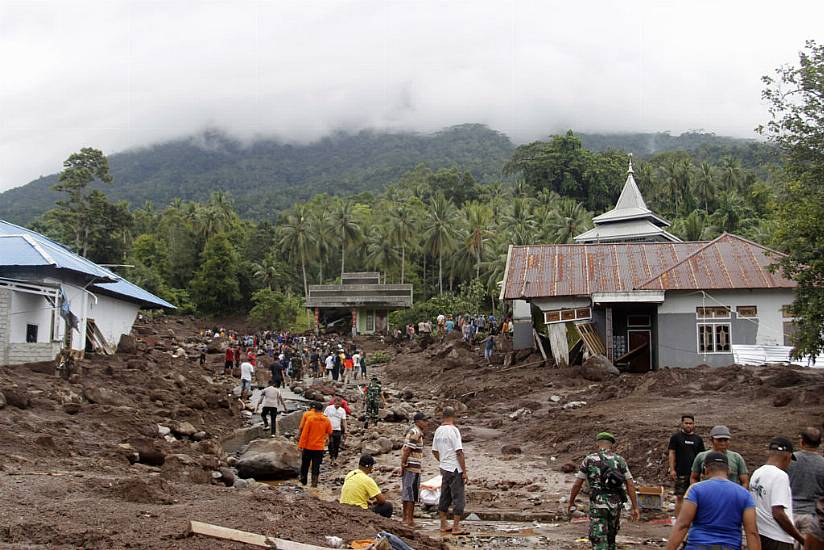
<point>582,269</point>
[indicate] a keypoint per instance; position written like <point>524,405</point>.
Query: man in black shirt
<point>683,446</point>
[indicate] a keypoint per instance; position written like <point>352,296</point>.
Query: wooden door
<point>639,342</point>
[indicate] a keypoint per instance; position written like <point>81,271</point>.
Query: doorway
<point>639,356</point>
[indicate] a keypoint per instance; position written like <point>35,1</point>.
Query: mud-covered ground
<point>67,448</point>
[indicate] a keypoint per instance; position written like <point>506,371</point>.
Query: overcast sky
<point>121,74</point>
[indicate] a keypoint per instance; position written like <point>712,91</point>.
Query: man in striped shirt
<point>411,456</point>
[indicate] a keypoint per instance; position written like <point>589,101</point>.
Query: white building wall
<point>770,321</point>
<point>30,309</point>
<point>113,317</point>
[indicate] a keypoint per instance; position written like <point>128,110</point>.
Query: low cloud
<point>117,75</point>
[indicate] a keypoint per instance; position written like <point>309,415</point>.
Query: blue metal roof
<point>21,247</point>
<point>125,288</point>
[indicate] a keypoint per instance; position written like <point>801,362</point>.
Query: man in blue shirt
<point>714,511</point>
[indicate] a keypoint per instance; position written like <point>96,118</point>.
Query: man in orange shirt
<point>314,430</point>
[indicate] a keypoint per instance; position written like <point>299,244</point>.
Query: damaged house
<point>53,299</point>
<point>645,299</point>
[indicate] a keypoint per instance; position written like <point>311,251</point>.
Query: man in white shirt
<point>329,362</point>
<point>356,364</point>
<point>770,488</point>
<point>247,371</point>
<point>271,399</point>
<point>447,448</point>
<point>337,416</point>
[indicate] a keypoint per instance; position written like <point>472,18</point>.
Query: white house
<point>51,298</point>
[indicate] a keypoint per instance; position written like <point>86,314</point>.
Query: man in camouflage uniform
<point>373,401</point>
<point>603,471</point>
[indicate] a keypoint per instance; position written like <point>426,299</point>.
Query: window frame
<point>700,317</point>
<point>740,315</point>
<point>568,315</point>
<point>714,326</point>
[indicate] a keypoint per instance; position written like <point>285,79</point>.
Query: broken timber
<point>254,539</point>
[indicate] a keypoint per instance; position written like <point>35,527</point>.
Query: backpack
<point>612,480</point>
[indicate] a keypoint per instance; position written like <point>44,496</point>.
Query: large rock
<point>598,369</point>
<point>102,395</point>
<point>183,429</point>
<point>127,344</point>
<point>217,345</point>
<point>148,452</point>
<point>17,397</point>
<point>380,446</point>
<point>289,423</point>
<point>273,458</point>
<point>180,467</point>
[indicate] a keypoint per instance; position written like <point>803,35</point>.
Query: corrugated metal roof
<point>728,262</point>
<point>624,231</point>
<point>129,290</point>
<point>21,247</point>
<point>582,269</point>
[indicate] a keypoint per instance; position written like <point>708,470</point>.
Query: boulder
<point>102,395</point>
<point>227,476</point>
<point>180,467</point>
<point>272,458</point>
<point>217,345</point>
<point>17,397</point>
<point>72,408</point>
<point>127,344</point>
<point>380,446</point>
<point>147,452</point>
<point>598,369</point>
<point>289,423</point>
<point>511,450</point>
<point>183,429</point>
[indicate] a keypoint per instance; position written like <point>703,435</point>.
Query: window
<point>370,320</point>
<point>565,315</point>
<point>746,312</point>
<point>715,312</point>
<point>31,334</point>
<point>638,320</point>
<point>714,338</point>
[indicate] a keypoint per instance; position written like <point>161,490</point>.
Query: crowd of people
<point>779,507</point>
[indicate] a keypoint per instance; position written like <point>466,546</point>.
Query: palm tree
<point>730,172</point>
<point>267,271</point>
<point>381,251</point>
<point>347,229</point>
<point>569,218</point>
<point>705,184</point>
<point>478,221</point>
<point>297,238</point>
<point>440,235</point>
<point>323,232</point>
<point>403,226</point>
<point>690,228</point>
<point>518,222</point>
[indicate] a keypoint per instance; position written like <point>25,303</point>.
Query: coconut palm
<point>440,233</point>
<point>296,238</point>
<point>403,227</point>
<point>381,251</point>
<point>478,224</point>
<point>704,184</point>
<point>347,229</point>
<point>569,219</point>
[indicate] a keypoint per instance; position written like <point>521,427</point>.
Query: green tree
<point>297,239</point>
<point>403,226</point>
<point>80,170</point>
<point>216,287</point>
<point>347,228</point>
<point>478,222</point>
<point>796,99</point>
<point>381,251</point>
<point>440,234</point>
<point>274,309</point>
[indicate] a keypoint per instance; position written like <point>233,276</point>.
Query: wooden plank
<point>530,364</point>
<point>632,353</point>
<point>558,344</point>
<point>540,344</point>
<point>224,533</point>
<point>591,338</point>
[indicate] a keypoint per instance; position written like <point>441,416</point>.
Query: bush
<point>470,299</point>
<point>275,310</point>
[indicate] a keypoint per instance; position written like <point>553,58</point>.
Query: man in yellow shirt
<point>358,489</point>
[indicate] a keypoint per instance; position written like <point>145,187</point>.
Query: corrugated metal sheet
<point>582,269</point>
<point>21,247</point>
<point>728,262</point>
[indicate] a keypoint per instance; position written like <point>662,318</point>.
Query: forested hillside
<point>268,176</point>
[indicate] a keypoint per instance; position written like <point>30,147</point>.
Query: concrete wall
<point>13,352</point>
<point>19,353</point>
<point>678,332</point>
<point>5,306</point>
<point>113,317</point>
<point>30,309</point>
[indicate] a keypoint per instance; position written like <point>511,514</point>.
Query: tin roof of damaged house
<point>728,262</point>
<point>23,248</point>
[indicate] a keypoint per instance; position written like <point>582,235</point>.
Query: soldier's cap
<point>605,436</point>
<point>714,457</point>
<point>420,416</point>
<point>782,444</point>
<point>720,432</point>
